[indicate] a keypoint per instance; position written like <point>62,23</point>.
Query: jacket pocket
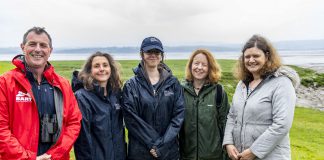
<point>258,130</point>
<point>252,132</point>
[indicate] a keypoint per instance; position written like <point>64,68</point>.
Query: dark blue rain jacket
<point>102,131</point>
<point>153,117</point>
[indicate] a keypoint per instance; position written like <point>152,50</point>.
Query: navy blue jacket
<point>44,96</point>
<point>102,131</point>
<point>153,117</point>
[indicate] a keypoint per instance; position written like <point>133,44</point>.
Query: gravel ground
<point>311,97</point>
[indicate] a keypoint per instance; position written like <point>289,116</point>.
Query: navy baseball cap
<point>151,43</point>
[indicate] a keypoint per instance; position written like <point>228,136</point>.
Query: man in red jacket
<point>39,115</point>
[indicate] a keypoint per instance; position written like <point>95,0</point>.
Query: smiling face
<point>199,67</point>
<point>152,58</point>
<point>37,50</point>
<point>100,70</point>
<point>254,59</point>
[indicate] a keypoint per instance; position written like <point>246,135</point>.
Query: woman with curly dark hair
<point>98,90</point>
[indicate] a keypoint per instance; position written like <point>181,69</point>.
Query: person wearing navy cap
<point>153,106</point>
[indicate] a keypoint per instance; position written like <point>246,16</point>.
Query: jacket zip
<point>248,95</point>
<point>39,98</point>
<point>112,123</point>
<point>157,100</point>
<point>242,137</point>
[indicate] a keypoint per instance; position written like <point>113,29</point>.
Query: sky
<point>104,23</point>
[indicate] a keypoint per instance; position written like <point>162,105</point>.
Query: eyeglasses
<point>153,51</point>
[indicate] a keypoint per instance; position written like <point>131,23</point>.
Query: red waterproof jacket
<point>19,120</point>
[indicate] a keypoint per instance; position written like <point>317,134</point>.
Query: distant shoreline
<point>307,59</point>
<point>319,68</point>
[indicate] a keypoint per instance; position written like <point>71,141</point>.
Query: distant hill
<point>281,45</point>
<point>10,50</point>
<point>300,45</point>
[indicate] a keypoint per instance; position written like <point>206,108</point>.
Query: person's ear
<point>142,54</point>
<point>267,55</point>
<point>22,46</point>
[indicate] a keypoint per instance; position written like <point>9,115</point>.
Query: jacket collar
<point>281,71</point>
<point>163,68</point>
<point>97,89</point>
<point>207,87</point>
<point>165,73</point>
<point>100,91</point>
<point>20,63</point>
<point>76,83</point>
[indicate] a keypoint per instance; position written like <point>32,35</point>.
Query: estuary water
<point>302,58</point>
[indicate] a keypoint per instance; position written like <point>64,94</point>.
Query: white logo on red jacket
<point>23,97</point>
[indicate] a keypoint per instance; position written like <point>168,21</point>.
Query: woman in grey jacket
<point>259,121</point>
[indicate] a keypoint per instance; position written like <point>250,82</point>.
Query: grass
<point>5,66</point>
<point>307,133</point>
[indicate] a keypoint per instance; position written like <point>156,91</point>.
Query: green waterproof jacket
<point>202,132</point>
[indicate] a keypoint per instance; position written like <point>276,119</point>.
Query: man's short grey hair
<point>37,30</point>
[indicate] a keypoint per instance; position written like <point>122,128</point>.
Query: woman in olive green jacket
<point>206,108</point>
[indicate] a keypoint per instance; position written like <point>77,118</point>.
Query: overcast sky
<point>102,23</point>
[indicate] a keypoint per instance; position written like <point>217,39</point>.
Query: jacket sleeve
<point>136,126</point>
<point>174,127</point>
<point>283,106</point>
<point>70,128</point>
<point>222,114</point>
<point>10,148</point>
<point>230,122</point>
<point>83,145</point>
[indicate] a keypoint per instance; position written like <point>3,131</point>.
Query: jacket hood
<point>163,68</point>
<point>97,89</point>
<point>290,73</point>
<point>19,61</point>
<point>76,83</point>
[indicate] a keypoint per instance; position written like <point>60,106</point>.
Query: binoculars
<point>48,128</point>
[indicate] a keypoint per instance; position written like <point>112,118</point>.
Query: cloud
<point>77,23</point>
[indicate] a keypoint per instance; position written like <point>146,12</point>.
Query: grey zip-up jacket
<point>260,121</point>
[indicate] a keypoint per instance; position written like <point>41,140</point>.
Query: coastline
<point>319,68</point>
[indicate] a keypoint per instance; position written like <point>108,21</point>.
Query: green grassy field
<point>307,133</point>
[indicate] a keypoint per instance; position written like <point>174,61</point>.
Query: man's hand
<point>44,157</point>
<point>246,155</point>
<point>232,152</point>
<point>153,153</point>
